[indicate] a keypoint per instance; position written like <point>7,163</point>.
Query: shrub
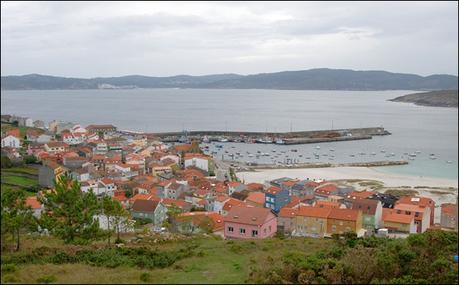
<point>145,277</point>
<point>46,279</point>
<point>8,268</point>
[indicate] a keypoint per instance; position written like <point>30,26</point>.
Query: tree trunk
<point>18,241</point>
<point>108,228</point>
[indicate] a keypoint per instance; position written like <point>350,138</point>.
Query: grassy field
<point>21,178</point>
<point>215,261</point>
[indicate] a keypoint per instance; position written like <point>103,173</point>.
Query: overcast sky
<point>90,39</point>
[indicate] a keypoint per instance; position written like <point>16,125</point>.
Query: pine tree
<point>16,215</point>
<point>69,212</point>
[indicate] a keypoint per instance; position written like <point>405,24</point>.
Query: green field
<point>20,178</point>
<point>214,261</point>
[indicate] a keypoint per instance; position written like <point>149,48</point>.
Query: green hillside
<point>423,258</point>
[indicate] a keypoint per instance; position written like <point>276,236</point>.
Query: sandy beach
<point>329,173</point>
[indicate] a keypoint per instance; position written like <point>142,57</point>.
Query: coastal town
<point>176,188</point>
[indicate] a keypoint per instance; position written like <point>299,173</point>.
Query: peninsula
<point>440,98</point>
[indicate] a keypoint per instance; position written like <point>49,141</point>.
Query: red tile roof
<point>198,217</point>
<point>314,212</point>
<point>344,214</point>
<point>248,215</point>
<point>256,197</point>
<point>231,203</point>
<point>449,209</point>
<point>390,215</point>
<point>360,194</point>
<point>327,204</point>
<point>33,202</point>
<point>273,190</point>
<point>254,186</point>
<point>288,212</point>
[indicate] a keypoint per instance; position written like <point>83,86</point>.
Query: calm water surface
<point>414,128</point>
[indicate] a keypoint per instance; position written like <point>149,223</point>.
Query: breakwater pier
<point>286,138</point>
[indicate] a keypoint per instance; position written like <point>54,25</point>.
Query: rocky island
<point>440,98</point>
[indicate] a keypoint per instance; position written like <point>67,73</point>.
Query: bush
<point>47,279</point>
<point>8,268</point>
<point>145,277</point>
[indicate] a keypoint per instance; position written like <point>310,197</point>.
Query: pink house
<point>249,223</point>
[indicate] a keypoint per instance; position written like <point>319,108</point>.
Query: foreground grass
<point>214,261</point>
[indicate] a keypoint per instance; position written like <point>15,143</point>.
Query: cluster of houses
<point>157,182</point>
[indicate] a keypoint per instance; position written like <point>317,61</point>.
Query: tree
<point>16,215</point>
<point>116,216</point>
<point>30,159</point>
<point>69,212</point>
<point>6,162</point>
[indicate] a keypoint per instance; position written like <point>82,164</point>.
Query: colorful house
<point>285,220</point>
<point>399,223</point>
<point>340,221</point>
<point>149,209</point>
<point>276,198</point>
<point>311,221</point>
<point>449,216</point>
<point>371,212</point>
<point>249,223</point>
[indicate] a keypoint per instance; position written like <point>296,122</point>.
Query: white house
<point>125,225</point>
<point>11,141</point>
<point>28,122</point>
<point>197,160</point>
<point>218,203</point>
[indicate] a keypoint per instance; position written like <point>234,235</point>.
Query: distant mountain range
<point>312,79</point>
<point>440,98</point>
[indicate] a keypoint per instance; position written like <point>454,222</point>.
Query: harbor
<point>282,138</point>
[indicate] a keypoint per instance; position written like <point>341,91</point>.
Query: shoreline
<point>347,172</point>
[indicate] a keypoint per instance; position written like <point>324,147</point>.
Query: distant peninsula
<point>440,98</point>
<point>312,79</point>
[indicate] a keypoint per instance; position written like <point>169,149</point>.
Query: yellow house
<point>311,221</point>
<point>344,220</point>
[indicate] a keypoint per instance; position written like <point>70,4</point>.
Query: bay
<point>414,128</point>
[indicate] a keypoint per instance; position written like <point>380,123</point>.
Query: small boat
<point>411,158</point>
<point>250,155</point>
<point>223,140</point>
<point>418,151</point>
<point>412,155</point>
<point>273,150</point>
<point>300,155</point>
<point>307,157</point>
<point>352,155</point>
<point>383,151</point>
<point>433,157</point>
<point>392,154</point>
<point>280,141</point>
<point>449,161</point>
<point>294,150</point>
<point>317,147</point>
<point>325,154</point>
<point>258,151</point>
<point>373,153</point>
<point>332,149</point>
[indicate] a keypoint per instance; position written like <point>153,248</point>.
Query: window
<point>264,230</point>
<point>416,214</point>
<point>269,228</point>
<point>408,212</point>
<point>230,229</point>
<point>254,233</point>
<point>340,223</point>
<point>242,231</point>
<point>334,228</point>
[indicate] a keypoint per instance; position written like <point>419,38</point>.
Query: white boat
<point>223,140</point>
<point>332,149</point>
<point>392,154</point>
<point>317,147</point>
<point>383,151</point>
<point>373,153</point>
<point>412,155</point>
<point>250,155</point>
<point>449,161</point>
<point>433,157</point>
<point>418,151</point>
<point>279,141</point>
